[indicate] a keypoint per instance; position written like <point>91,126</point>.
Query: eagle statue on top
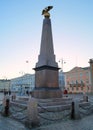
<point>45,11</point>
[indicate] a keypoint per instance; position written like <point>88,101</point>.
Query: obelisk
<point>46,70</point>
<point>91,73</point>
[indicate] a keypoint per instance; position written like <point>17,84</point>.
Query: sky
<point>21,27</point>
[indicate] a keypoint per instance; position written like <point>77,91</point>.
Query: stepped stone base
<point>45,93</point>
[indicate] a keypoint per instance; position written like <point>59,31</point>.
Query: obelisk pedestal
<point>46,70</point>
<point>46,83</point>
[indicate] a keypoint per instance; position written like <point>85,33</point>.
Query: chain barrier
<point>19,114</point>
<point>57,119</point>
<point>1,108</point>
<point>14,110</point>
<point>86,110</point>
<point>85,107</point>
<point>44,108</point>
<point>91,100</point>
<point>49,116</point>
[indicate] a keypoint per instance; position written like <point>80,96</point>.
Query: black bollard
<point>87,99</point>
<point>12,97</point>
<point>9,92</point>
<point>6,111</point>
<point>73,111</point>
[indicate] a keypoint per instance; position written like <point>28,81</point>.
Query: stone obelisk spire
<point>91,73</point>
<point>46,70</point>
<point>46,56</point>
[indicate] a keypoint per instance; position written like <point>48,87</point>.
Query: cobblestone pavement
<point>85,123</point>
<point>81,124</point>
<point>9,124</point>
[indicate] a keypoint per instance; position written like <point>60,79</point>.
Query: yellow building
<point>78,80</point>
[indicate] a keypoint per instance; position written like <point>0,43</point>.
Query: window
<point>67,82</point>
<point>80,74</point>
<point>87,81</point>
<point>86,73</point>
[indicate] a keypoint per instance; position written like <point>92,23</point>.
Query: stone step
<point>54,103</point>
<point>20,101</point>
<point>58,108</point>
<point>54,100</point>
<point>55,108</point>
<point>17,104</point>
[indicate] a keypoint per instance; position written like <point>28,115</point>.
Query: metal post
<point>75,110</point>
<point>72,111</point>
<point>6,109</point>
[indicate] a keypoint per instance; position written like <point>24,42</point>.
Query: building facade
<point>4,85</point>
<point>27,82</point>
<point>23,83</point>
<point>78,80</point>
<point>61,80</point>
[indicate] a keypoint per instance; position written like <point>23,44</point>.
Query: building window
<point>86,73</point>
<point>80,74</point>
<point>67,82</point>
<point>68,89</point>
<point>87,81</point>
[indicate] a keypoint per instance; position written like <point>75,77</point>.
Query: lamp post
<point>27,62</point>
<point>62,74</point>
<point>62,62</point>
<point>21,85</point>
<point>28,76</point>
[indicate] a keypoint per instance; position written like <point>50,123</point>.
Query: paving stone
<point>10,124</point>
<point>81,124</point>
<point>85,123</point>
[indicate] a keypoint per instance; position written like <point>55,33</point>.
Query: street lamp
<point>62,62</point>
<point>22,79</point>
<point>27,62</point>
<point>62,74</point>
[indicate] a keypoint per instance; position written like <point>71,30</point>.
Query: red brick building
<point>78,80</point>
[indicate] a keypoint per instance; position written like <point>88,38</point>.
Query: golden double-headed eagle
<point>45,11</point>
